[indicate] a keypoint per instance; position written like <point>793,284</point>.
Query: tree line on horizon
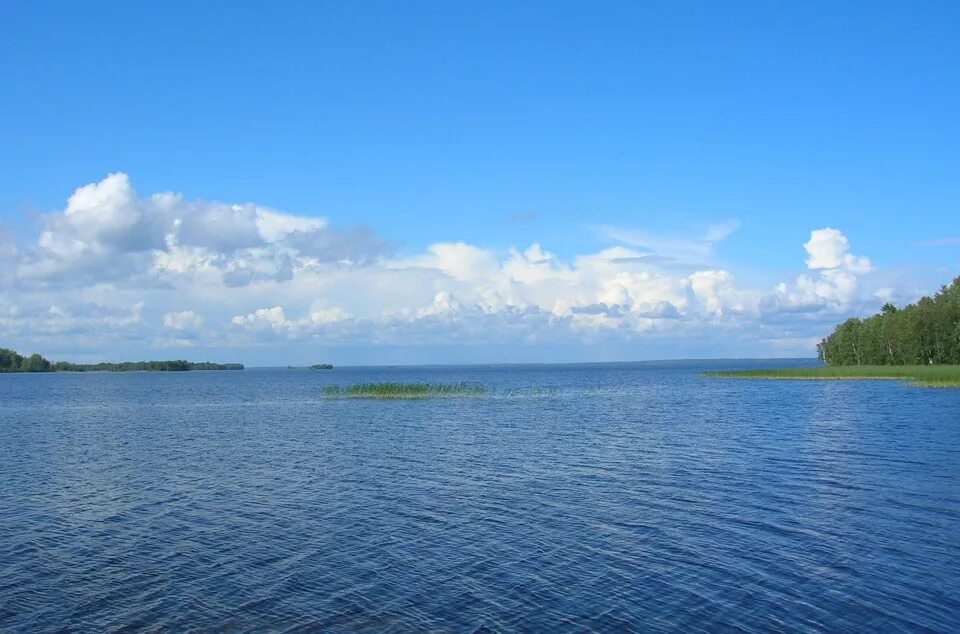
<point>11,361</point>
<point>925,333</point>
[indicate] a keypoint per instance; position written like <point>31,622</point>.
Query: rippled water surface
<point>569,498</point>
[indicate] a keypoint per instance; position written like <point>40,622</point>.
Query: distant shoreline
<point>11,362</point>
<point>224,367</point>
<point>102,371</point>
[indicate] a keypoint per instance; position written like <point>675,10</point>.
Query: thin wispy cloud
<point>939,242</point>
<point>523,217</point>
<point>695,247</point>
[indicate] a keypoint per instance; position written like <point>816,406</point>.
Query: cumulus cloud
<point>263,317</point>
<point>275,319</point>
<point>108,232</point>
<point>838,279</point>
<point>829,249</point>
<point>110,265</point>
<point>717,292</point>
<point>184,321</point>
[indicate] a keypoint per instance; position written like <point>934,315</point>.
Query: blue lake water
<point>572,497</point>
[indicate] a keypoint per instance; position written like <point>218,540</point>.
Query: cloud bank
<point>113,267</point>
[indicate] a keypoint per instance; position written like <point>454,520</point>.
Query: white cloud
<point>185,321</point>
<point>457,259</point>
<point>320,315</point>
<point>274,227</point>
<point>108,267</point>
<point>837,284</point>
<point>275,320</point>
<point>829,249</point>
<point>107,231</point>
<point>716,292</point>
<point>885,294</point>
<point>263,317</point>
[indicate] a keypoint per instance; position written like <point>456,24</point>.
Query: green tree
<point>35,363</point>
<point>924,333</point>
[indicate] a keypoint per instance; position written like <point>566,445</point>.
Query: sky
<point>444,182</point>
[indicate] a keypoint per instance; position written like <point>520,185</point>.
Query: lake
<point>603,497</point>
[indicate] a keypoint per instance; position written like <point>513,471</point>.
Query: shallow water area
<point>565,498</point>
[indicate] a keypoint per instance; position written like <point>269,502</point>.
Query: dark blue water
<point>572,498</point>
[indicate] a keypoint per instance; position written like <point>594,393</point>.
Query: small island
<point>919,343</point>
<point>11,361</point>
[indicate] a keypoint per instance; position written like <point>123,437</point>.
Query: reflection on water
<point>606,497</point>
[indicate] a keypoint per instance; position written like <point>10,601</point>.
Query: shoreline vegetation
<point>919,343</point>
<point>921,375</point>
<point>389,391</point>
<point>11,361</point>
<point>921,334</point>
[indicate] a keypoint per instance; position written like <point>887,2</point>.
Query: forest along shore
<point>11,361</point>
<point>919,343</point>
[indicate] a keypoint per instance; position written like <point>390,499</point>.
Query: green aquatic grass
<point>924,375</point>
<point>404,390</point>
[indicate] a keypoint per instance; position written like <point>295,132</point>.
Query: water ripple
<point>572,498</point>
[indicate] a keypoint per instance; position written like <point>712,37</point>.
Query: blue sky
<point>578,127</point>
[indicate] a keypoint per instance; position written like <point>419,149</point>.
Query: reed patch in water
<point>923,375</point>
<point>405,390</point>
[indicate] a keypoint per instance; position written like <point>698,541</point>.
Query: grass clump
<point>404,390</point>
<point>923,375</point>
